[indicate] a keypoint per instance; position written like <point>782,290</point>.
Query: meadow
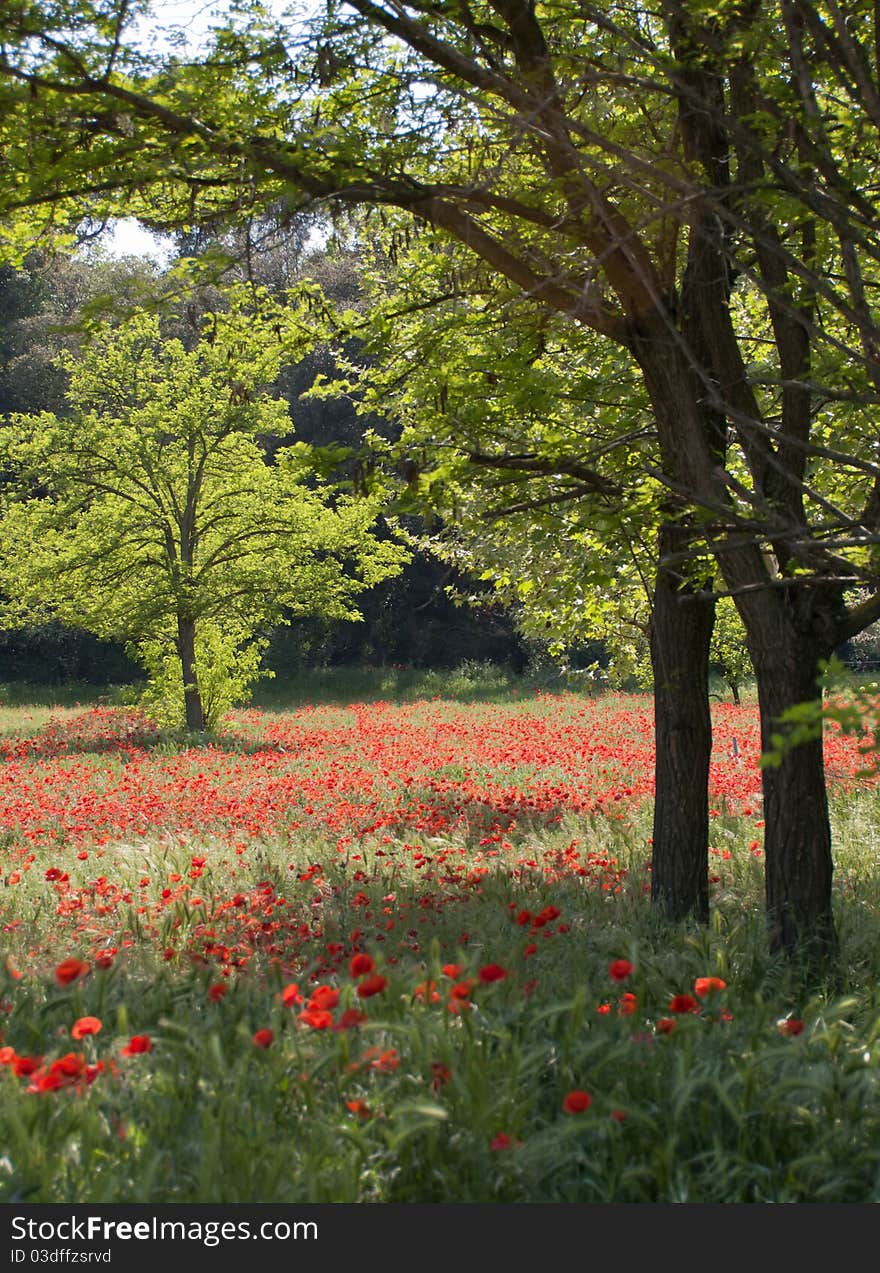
<point>400,949</point>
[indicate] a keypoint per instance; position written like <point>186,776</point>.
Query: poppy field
<point>404,952</point>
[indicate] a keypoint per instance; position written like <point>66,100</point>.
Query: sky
<point>193,17</point>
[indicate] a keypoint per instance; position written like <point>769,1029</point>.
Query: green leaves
<point>152,504</point>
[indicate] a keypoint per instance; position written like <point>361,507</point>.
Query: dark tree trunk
<point>797,833</point>
<point>681,630</point>
<point>186,646</point>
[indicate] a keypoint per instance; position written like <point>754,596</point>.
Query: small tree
<point>151,515</point>
<point>728,652</point>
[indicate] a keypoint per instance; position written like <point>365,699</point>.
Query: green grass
<point>727,1107</point>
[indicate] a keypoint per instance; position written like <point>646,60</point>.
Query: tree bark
<point>681,630</point>
<point>797,832</point>
<point>186,646</point>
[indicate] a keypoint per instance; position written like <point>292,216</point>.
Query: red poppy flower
<point>47,1082</point>
<point>492,972</point>
<point>666,1025</point>
<point>385,1062</point>
<point>441,1075</point>
<point>462,989</point>
<point>426,992</point>
<point>70,1066</point>
<point>627,1004</point>
<point>84,1026</point>
<point>25,1065</point>
<point>324,998</point>
<point>620,969</point>
<point>707,985</point>
<point>619,1115</point>
<point>68,971</point>
<point>290,995</point>
<point>683,1003</point>
<point>372,986</point>
<point>452,971</point>
<point>791,1025</point>
<point>361,1108</point>
<point>502,1141</point>
<point>217,991</point>
<point>360,965</point>
<point>7,1056</point>
<point>317,1018</point>
<point>577,1102</point>
<point>263,1038</point>
<point>350,1018</point>
<point>523,918</point>
<point>137,1044</point>
<point>604,1009</point>
<point>545,916</point>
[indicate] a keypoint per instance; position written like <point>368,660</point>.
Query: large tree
<point>695,187</point>
<point>150,514</point>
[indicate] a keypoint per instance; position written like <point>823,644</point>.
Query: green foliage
<point>728,652</point>
<point>228,665</point>
<point>848,703</point>
<point>151,515</point>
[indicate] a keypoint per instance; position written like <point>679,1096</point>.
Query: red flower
<point>683,1003</point>
<point>361,964</point>
<point>361,1108</point>
<point>666,1025</point>
<point>263,1038</point>
<point>68,971</point>
<point>350,1018</point>
<point>627,1004</point>
<point>25,1065</point>
<point>451,970</point>
<point>545,916</point>
<point>462,989</point>
<point>324,998</point>
<point>290,995</point>
<point>620,969</point>
<point>577,1102</point>
<point>523,918</point>
<point>317,1018</point>
<point>492,972</point>
<point>217,991</point>
<point>372,986</point>
<point>791,1025</point>
<point>619,1115</point>
<point>385,1062</point>
<point>84,1026</point>
<point>441,1075</point>
<point>426,992</point>
<point>137,1043</point>
<point>502,1141</point>
<point>68,1067</point>
<point>604,1009</point>
<point>706,985</point>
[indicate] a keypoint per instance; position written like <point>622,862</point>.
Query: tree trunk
<point>186,646</point>
<point>681,630</point>
<point>797,833</point>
